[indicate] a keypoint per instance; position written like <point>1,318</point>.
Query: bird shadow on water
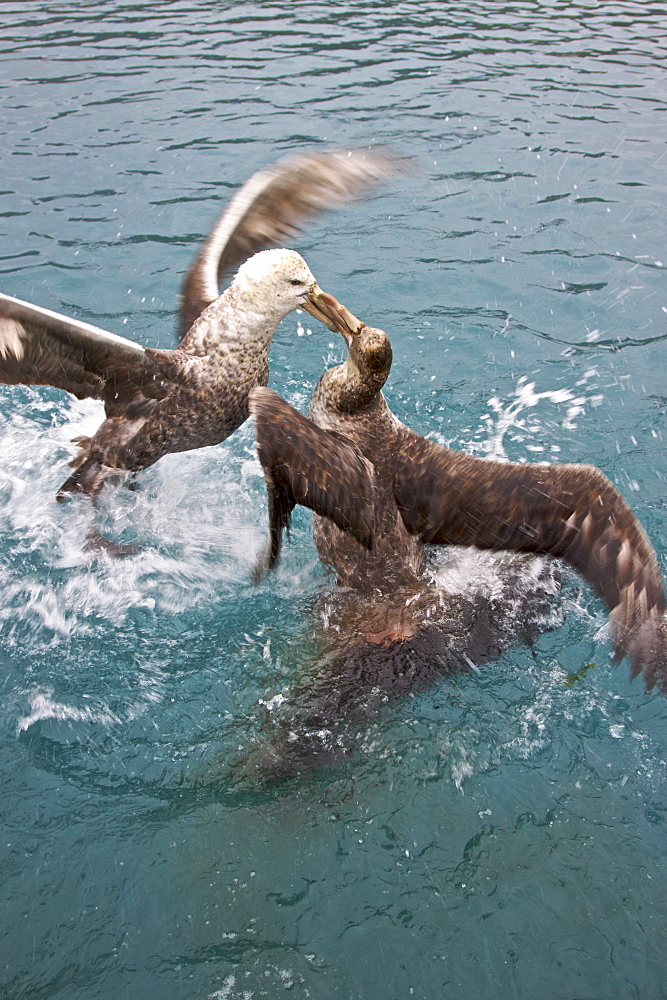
<point>370,652</point>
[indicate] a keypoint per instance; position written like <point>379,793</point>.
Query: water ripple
<point>518,269</point>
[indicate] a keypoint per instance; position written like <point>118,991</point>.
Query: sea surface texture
<point>495,831</point>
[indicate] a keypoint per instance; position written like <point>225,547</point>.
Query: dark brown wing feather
<point>304,464</point>
<point>571,512</point>
<point>40,347</point>
<point>269,209</point>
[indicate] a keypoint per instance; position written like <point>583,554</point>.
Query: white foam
<point>523,417</point>
<point>43,706</point>
<point>199,518</point>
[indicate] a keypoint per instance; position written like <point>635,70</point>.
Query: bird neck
<point>235,320</point>
<point>359,380</point>
<point>349,389</point>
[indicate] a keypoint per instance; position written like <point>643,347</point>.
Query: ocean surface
<point>495,833</point>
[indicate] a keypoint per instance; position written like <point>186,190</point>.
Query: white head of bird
<point>273,283</point>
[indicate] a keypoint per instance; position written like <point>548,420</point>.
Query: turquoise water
<point>502,832</point>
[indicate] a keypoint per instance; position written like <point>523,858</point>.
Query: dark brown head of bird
<point>368,348</point>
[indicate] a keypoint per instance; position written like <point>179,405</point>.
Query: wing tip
<point>11,339</point>
<point>648,651</point>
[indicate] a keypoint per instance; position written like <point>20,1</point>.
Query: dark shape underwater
<point>322,715</point>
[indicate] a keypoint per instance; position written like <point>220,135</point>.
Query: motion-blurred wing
<point>40,347</point>
<point>269,209</point>
<point>307,465</point>
<point>571,512</point>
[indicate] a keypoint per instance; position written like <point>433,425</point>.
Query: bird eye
<point>297,281</point>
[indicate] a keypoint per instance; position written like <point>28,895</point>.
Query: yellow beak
<point>332,313</point>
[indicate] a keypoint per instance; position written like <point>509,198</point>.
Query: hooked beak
<point>332,313</point>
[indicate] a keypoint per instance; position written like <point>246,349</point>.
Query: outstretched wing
<point>40,347</point>
<point>571,512</point>
<point>269,209</point>
<point>307,465</point>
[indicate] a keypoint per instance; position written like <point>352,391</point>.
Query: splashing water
<point>515,418</point>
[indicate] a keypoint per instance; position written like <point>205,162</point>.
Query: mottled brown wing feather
<point>307,465</point>
<point>270,208</point>
<point>40,347</point>
<point>134,390</point>
<point>571,512</point>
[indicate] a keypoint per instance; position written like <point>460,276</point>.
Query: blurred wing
<point>269,209</point>
<point>40,347</point>
<point>571,512</point>
<point>307,465</point>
